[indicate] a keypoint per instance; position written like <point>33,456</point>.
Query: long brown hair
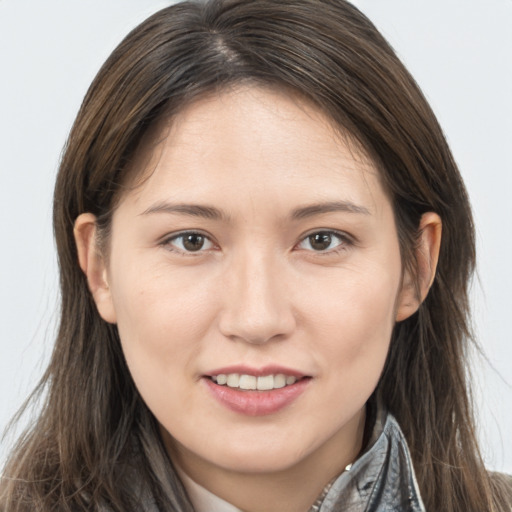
<point>93,426</point>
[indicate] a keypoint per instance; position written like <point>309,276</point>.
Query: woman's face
<point>261,251</point>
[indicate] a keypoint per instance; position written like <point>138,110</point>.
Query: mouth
<point>247,382</point>
<point>254,392</point>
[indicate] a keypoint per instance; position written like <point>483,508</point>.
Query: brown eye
<point>193,242</point>
<point>189,242</point>
<point>320,241</point>
<point>325,241</point>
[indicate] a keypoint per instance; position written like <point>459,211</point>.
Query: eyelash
<point>345,241</point>
<point>167,242</point>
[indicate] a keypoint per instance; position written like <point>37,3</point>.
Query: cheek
<point>354,320</point>
<point>160,300</point>
<point>162,320</point>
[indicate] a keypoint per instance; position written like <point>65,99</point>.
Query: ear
<point>93,265</point>
<point>415,288</point>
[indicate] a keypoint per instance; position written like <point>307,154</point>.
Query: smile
<point>256,392</point>
<point>251,382</point>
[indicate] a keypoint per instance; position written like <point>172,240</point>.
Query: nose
<point>257,307</point>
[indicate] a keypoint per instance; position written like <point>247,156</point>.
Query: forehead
<point>251,140</point>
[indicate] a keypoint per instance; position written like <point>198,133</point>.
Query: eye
<point>189,242</point>
<point>324,241</point>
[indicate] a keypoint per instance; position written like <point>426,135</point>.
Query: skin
<point>258,292</point>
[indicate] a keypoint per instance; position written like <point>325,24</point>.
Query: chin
<point>253,455</point>
<point>269,462</point>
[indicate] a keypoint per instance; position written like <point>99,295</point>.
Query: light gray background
<point>460,52</point>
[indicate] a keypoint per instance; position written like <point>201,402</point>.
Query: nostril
<point>257,308</point>
<point>257,331</point>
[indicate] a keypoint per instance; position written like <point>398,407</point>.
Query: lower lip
<point>257,403</point>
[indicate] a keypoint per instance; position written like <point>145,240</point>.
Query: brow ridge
<point>193,210</point>
<point>210,212</point>
<point>328,207</point>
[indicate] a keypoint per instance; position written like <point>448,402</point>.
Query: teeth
<point>247,382</point>
<point>280,381</point>
<point>265,383</point>
<point>250,382</point>
<point>233,380</point>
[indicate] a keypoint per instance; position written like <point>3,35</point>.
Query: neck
<point>294,489</point>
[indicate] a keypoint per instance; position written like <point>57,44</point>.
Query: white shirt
<point>202,499</point>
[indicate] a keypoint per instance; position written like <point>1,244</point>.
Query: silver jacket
<point>381,480</point>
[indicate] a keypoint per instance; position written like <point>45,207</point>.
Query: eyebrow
<point>212,213</point>
<point>329,207</point>
<point>193,210</point>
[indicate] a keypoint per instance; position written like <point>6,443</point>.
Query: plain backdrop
<point>460,52</point>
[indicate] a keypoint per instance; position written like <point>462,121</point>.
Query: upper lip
<point>257,372</point>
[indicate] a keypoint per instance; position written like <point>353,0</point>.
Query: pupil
<point>193,242</point>
<point>320,241</point>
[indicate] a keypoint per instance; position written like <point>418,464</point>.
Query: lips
<point>256,392</point>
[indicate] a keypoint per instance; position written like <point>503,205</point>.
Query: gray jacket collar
<point>382,479</point>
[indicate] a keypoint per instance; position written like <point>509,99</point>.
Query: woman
<point>265,247</point>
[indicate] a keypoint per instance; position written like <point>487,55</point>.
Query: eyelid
<point>167,239</point>
<point>346,240</point>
